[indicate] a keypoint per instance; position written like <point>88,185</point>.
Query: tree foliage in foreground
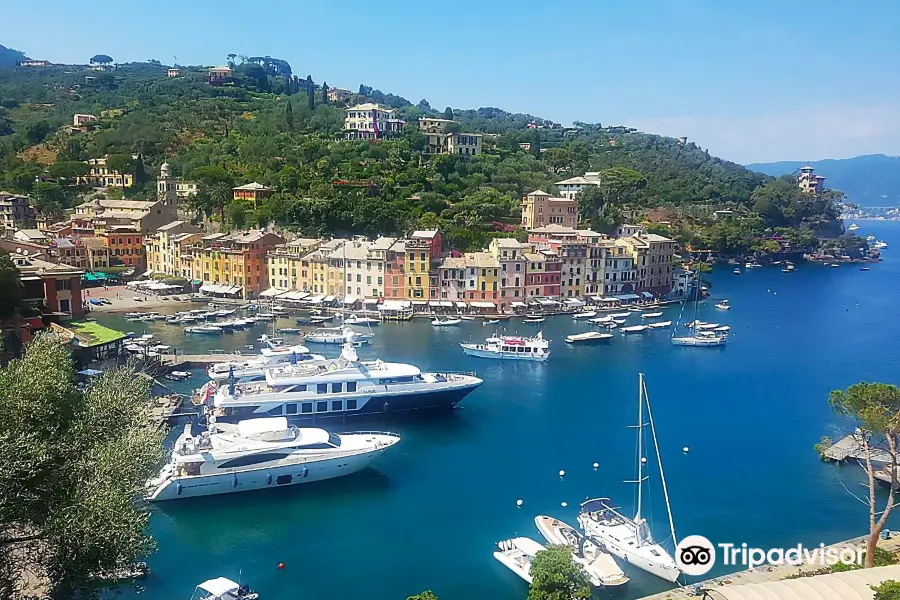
<point>556,576</point>
<point>72,467</point>
<point>889,590</point>
<point>875,407</point>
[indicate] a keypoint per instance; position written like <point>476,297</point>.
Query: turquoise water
<point>428,515</point>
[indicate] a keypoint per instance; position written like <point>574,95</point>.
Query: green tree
<point>889,590</point>
<point>73,468</point>
<point>620,184</point>
<point>426,595</point>
<point>38,132</point>
<point>123,163</point>
<point>324,93</point>
<point>68,169</point>
<point>536,143</point>
<point>101,59</point>
<point>448,113</point>
<point>556,576</point>
<point>311,92</point>
<point>609,219</point>
<point>875,407</point>
<point>289,116</point>
<point>11,284</point>
<point>429,220</point>
<point>48,198</point>
<point>239,213</point>
<point>231,58</point>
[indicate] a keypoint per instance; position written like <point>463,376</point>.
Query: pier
<point>765,573</point>
<point>850,448</point>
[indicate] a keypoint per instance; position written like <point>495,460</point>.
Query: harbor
<point>452,483</point>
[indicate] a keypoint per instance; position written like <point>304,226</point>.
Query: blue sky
<point>752,81</point>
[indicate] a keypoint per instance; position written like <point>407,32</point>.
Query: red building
<point>50,287</point>
<point>395,271</point>
<point>542,274</point>
<point>435,241</point>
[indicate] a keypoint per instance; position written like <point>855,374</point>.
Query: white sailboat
<point>630,538</point>
<point>699,338</point>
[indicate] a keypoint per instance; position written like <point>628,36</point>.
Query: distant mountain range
<point>870,180</point>
<point>9,57</point>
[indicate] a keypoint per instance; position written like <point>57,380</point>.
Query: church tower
<point>165,187</point>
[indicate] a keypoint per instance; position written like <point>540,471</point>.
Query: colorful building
<point>486,272</point>
<point>569,188</point>
<point>126,246</point>
<point>540,209</point>
<point>101,176</point>
<point>418,267</point>
<point>371,121</point>
<point>452,279</point>
<point>395,271</point>
<point>542,275</point>
<point>233,264</point>
<point>15,212</point>
<point>513,267</point>
<point>618,271</point>
<point>253,192</point>
<point>162,248</point>
<point>288,265</point>
<point>653,262</point>
<point>99,215</point>
<point>434,239</point>
<point>50,287</point>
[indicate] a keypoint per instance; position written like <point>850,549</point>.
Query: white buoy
<point>564,504</point>
<point>644,460</point>
<point>519,502</point>
<point>685,449</point>
<point>562,473</point>
<point>596,465</point>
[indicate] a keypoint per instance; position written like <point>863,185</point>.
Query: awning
<point>328,299</point>
<point>394,305</point>
<point>546,301</point>
<point>148,273</point>
<point>419,302</point>
<point>351,299</point>
<point>272,291</point>
<point>461,305</point>
<point>627,297</point>
<point>574,302</point>
<point>518,304</point>
<point>370,301</point>
<point>207,287</point>
<point>647,295</point>
<point>295,295</point>
<point>446,304</point>
<point>434,303</point>
<point>315,299</point>
<point>481,304</point>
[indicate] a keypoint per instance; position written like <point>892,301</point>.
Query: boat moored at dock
<point>706,339</point>
<point>590,337</point>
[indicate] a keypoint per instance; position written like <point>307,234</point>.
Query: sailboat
<point>630,538</point>
<point>698,337</point>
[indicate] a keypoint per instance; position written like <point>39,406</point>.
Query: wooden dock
<point>850,448</point>
<point>763,574</point>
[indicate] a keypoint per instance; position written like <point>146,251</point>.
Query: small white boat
<point>736,271</point>
<point>659,324</point>
<point>221,588</point>
<point>870,238</point>
<point>634,329</point>
<point>290,330</point>
<point>491,322</point>
<point>354,320</point>
<point>707,326</point>
<point>178,375</point>
<point>600,567</point>
<point>266,316</point>
<point>723,305</point>
<point>338,335</point>
<point>652,315</point>
<point>705,339</point>
<point>601,320</point>
<point>467,317</point>
<point>585,314</point>
<point>517,555</point>
<point>276,310</point>
<point>588,338</point>
<point>879,245</point>
<point>748,265</point>
<point>438,322</point>
<point>622,315</point>
<point>853,227</point>
<point>533,319</point>
<point>204,329</point>
<point>620,321</point>
<point>317,319</point>
<point>722,329</point>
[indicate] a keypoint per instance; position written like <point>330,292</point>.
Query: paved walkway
<point>763,574</point>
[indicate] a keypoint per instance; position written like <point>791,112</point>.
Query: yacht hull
<point>699,342</point>
<point>474,350</point>
<point>663,571</point>
<point>229,481</point>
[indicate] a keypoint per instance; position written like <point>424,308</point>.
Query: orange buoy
<point>280,565</point>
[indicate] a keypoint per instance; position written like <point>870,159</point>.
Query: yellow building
<point>418,267</point>
<point>312,268</point>
<point>486,269</point>
<point>288,266</point>
<point>653,262</point>
<point>162,249</point>
<point>233,264</point>
<point>99,175</point>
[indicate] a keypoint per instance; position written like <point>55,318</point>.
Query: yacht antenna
<point>662,475</point>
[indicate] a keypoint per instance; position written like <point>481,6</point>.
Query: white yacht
<point>260,453</point>
<point>600,567</point>
<point>706,339</point>
<point>587,314</point>
<point>853,227</point>
<point>345,386</point>
<point>517,554</point>
<point>510,348</point>
<point>364,320</point>
<point>880,245</point>
<point>254,369</point>
<point>338,335</point>
<point>445,322</point>
<point>627,538</point>
<point>222,588</point>
<point>703,335</point>
<point>590,337</point>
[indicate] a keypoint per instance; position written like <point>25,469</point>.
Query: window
<point>321,406</point>
<point>322,388</point>
<point>337,388</point>
<point>337,405</point>
<point>255,459</point>
<point>290,408</point>
<point>351,404</point>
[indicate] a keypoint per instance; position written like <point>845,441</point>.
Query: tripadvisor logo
<point>695,555</point>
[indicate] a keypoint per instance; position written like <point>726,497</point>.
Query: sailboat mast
<point>640,448</point>
<point>662,475</point>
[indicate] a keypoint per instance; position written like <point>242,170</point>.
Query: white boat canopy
<point>460,305</point>
<point>574,302</point>
<point>351,299</point>
<point>271,292</point>
<point>295,295</point>
<point>419,302</point>
<point>370,301</point>
<point>328,299</point>
<point>219,586</point>
<point>846,585</point>
<point>315,299</point>
<point>211,288</point>
<point>546,301</point>
<point>517,304</point>
<point>482,304</point>
<point>394,305</point>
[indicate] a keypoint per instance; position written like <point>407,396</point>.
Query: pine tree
<point>324,92</point>
<point>311,92</point>
<point>289,116</point>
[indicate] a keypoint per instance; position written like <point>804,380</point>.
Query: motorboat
<point>706,326</point>
<point>445,322</point>
<point>338,335</point>
<point>507,347</point>
<point>591,337</point>
<point>871,238</point>
<point>222,588</point>
<point>622,315</point>
<point>659,325</point>
<point>342,387</point>
<point>364,320</point>
<point>853,227</point>
<point>864,269</point>
<point>630,538</point>
<point>836,265</point>
<point>319,319</point>
<point>600,567</point>
<point>266,316</point>
<point>517,554</point>
<point>466,317</point>
<point>723,305</point>
<point>533,319</point>
<point>293,330</point>
<point>601,320</point>
<point>651,315</point>
<point>260,453</point>
<point>204,329</point>
<point>279,310</point>
<point>254,369</point>
<point>701,338</point>
<point>271,342</point>
<point>736,271</point>
<point>722,329</point>
<point>620,321</point>
<point>587,314</point>
<point>634,329</point>
<point>177,375</point>
<point>491,321</point>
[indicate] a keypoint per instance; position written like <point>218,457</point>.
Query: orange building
<point>233,264</point>
<point>252,191</point>
<point>126,247</point>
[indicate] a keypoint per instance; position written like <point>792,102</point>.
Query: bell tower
<point>165,187</point>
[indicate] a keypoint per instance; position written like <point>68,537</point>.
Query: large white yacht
<point>254,369</point>
<point>507,347</point>
<point>337,388</point>
<point>260,453</point>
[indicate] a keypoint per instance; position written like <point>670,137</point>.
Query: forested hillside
<point>282,132</point>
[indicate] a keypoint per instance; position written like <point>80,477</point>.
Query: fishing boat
<point>533,319</point>
<point>651,315</point>
<point>659,325</point>
<point>204,329</point>
<point>853,227</point>
<point>600,567</point>
<point>587,314</point>
<point>510,348</point>
<point>222,588</point>
<point>630,538</point>
<point>634,329</point>
<point>364,320</point>
<point>445,322</point>
<point>736,271</point>
<point>517,554</point>
<point>723,305</point>
<point>260,453</point>
<point>591,337</point>
<point>339,388</point>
